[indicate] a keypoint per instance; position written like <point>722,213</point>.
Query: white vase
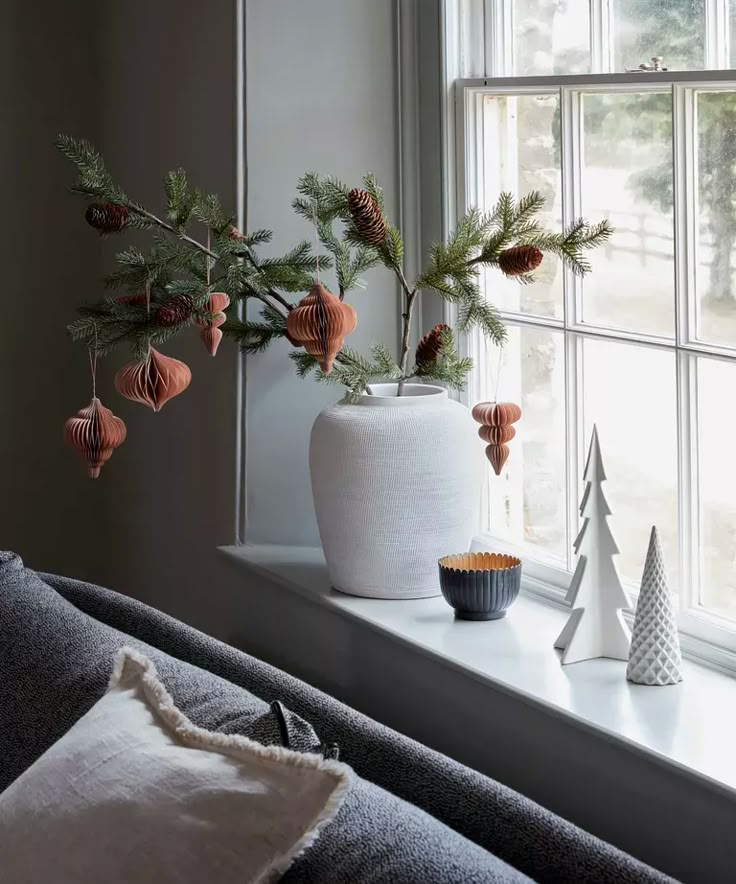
<point>396,485</point>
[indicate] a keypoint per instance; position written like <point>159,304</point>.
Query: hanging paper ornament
<point>175,311</point>
<point>153,380</point>
<point>430,347</point>
<point>95,432</point>
<point>496,419</point>
<point>107,217</point>
<point>367,217</point>
<point>520,260</point>
<point>320,324</point>
<point>211,334</point>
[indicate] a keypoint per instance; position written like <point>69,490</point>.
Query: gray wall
<point>48,84</point>
<point>321,96</point>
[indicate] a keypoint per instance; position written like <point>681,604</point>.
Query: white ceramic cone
<point>655,657</point>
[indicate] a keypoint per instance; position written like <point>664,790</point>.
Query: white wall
<point>321,96</point>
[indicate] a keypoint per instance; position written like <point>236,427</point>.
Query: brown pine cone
<point>366,216</point>
<point>520,260</point>
<point>175,311</point>
<point>430,347</point>
<point>106,217</point>
<point>234,234</point>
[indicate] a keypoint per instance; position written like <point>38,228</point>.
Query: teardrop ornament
<point>153,380</point>
<point>210,333</point>
<point>320,324</point>
<point>495,419</point>
<point>95,433</point>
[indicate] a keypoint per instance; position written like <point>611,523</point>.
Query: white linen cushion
<point>135,792</point>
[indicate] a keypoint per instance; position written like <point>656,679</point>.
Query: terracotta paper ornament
<point>519,260</point>
<point>496,419</point>
<point>153,380</point>
<point>320,324</point>
<point>211,334</point>
<point>367,217</point>
<point>95,433</point>
<point>107,217</point>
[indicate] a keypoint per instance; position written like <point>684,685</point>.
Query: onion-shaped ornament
<point>153,380</point>
<point>211,334</point>
<point>495,419</point>
<point>320,324</point>
<point>95,432</point>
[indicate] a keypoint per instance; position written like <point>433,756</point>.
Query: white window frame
<point>705,635</point>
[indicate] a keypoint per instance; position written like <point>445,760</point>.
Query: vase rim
<point>384,395</point>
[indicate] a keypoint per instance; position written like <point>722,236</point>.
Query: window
<point>645,346</point>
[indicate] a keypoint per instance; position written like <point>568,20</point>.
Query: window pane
<point>717,487</point>
<point>527,501</point>
<point>521,141</point>
<point>627,178</point>
<point>716,206</point>
<point>637,426</point>
<point>674,29</point>
<point>551,37</point>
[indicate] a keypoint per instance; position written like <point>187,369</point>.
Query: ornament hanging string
<point>498,373</point>
<point>93,365</point>
<point>316,243</point>
<point>209,266</point>
<point>148,311</point>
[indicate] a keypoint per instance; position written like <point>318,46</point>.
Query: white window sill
<point>689,727</point>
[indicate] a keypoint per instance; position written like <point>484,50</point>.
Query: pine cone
<point>175,311</point>
<point>430,347</point>
<point>106,217</point>
<point>520,260</point>
<point>235,234</point>
<point>366,216</point>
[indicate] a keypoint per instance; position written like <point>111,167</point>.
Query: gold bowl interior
<point>479,561</point>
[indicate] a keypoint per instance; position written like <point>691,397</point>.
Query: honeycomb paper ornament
<point>320,324</point>
<point>496,419</point>
<point>95,432</point>
<point>210,327</point>
<point>153,380</point>
<point>654,658</point>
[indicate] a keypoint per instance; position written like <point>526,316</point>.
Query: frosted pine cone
<point>430,347</point>
<point>366,216</point>
<point>106,217</point>
<point>175,311</point>
<point>520,260</point>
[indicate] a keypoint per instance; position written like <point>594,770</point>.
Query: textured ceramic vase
<point>396,485</point>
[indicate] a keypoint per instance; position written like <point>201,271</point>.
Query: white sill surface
<point>690,726</point>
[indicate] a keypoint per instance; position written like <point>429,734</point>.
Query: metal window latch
<point>656,65</point>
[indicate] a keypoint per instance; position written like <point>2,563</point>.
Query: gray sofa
<point>413,815</point>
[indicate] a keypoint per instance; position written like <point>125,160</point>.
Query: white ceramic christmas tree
<point>596,627</point>
<point>655,657</point>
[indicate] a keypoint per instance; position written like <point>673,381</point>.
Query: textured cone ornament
<point>430,347</point>
<point>520,260</point>
<point>367,217</point>
<point>320,324</point>
<point>496,419</point>
<point>654,658</point>
<point>211,334</point>
<point>95,432</point>
<point>154,380</point>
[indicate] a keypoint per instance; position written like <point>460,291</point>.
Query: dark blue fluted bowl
<point>480,586</point>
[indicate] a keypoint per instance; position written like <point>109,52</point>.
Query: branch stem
<point>159,222</point>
